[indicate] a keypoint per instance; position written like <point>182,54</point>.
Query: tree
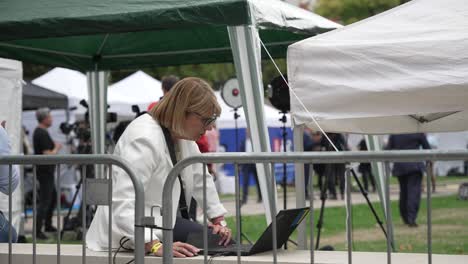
<point>350,11</point>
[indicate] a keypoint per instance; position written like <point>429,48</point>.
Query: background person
<point>44,145</point>
<point>317,145</point>
<point>166,84</point>
<point>308,145</point>
<point>5,149</point>
<point>409,175</point>
<point>335,173</point>
<point>151,143</point>
<point>365,169</point>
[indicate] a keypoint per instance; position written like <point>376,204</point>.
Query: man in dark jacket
<point>335,173</point>
<point>409,175</point>
<point>44,145</point>
<point>365,169</point>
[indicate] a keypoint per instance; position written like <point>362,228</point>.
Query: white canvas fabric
<point>11,75</point>
<point>138,88</point>
<point>405,70</point>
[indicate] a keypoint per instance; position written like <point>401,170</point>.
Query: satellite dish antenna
<point>231,93</point>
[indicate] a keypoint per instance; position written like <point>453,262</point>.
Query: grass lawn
<point>449,228</point>
<point>393,182</point>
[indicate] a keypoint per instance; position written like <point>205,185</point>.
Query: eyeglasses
<point>207,121</point>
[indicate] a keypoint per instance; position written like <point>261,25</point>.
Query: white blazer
<point>144,147</point>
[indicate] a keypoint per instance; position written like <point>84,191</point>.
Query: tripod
<point>75,222</point>
<point>236,116</point>
<point>323,198</point>
<point>284,134</point>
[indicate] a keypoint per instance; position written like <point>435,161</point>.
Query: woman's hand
<point>223,231</point>
<point>179,250</point>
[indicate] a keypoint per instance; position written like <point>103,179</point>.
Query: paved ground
<point>71,254</point>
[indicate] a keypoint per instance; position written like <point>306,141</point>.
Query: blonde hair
<point>189,95</point>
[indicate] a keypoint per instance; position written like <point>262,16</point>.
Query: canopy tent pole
<point>373,144</point>
<point>298,134</point>
<point>97,89</point>
<point>246,54</point>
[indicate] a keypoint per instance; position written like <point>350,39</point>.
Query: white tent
<point>11,75</point>
<point>137,89</point>
<point>402,71</point>
<point>405,70</point>
<point>68,82</point>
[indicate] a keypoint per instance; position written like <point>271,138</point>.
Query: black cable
<point>155,227</point>
<point>121,245</point>
<point>292,241</point>
<point>210,260</point>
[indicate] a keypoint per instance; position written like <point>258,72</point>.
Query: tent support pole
<point>246,54</point>
<point>97,90</point>
<point>378,171</point>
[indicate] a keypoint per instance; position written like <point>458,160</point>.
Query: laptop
<point>286,223</point>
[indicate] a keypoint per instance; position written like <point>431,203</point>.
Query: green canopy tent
<point>95,36</point>
<point>117,34</point>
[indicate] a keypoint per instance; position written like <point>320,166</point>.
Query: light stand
<point>284,119</point>
<point>230,93</point>
<point>284,133</point>
<point>236,116</point>
<point>323,198</point>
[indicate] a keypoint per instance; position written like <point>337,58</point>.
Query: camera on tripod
<point>82,129</point>
<point>82,132</point>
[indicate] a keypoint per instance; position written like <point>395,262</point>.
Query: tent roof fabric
<point>402,71</point>
<point>69,82</point>
<point>35,96</point>
<point>119,34</point>
<point>137,88</point>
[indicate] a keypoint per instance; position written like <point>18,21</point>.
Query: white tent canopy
<point>405,70</point>
<point>11,74</point>
<point>137,89</point>
<point>71,83</point>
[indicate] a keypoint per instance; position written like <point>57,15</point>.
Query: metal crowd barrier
<point>305,158</point>
<point>101,194</point>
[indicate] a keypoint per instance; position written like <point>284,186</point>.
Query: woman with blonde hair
<point>153,143</point>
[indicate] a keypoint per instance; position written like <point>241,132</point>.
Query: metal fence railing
<point>306,158</point>
<point>95,192</point>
